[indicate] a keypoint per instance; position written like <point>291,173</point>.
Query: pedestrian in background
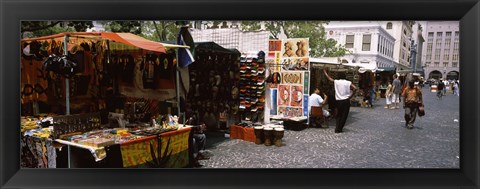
<point>397,89</point>
<point>412,100</point>
<point>388,95</point>
<point>344,91</point>
<point>455,89</point>
<point>440,88</point>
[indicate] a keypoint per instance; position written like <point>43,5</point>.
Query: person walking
<point>455,89</point>
<point>397,89</point>
<point>388,95</point>
<point>440,88</point>
<point>344,91</point>
<point>412,99</point>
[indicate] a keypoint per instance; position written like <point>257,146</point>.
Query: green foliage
<point>43,28</point>
<point>250,26</point>
<point>152,30</point>
<point>52,31</point>
<point>314,30</point>
<point>134,27</point>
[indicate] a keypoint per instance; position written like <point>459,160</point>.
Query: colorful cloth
<point>137,153</point>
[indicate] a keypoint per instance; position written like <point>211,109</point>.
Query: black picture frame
<point>12,12</point>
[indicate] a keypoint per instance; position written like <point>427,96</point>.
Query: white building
<point>402,32</point>
<point>371,46</point>
<point>441,52</point>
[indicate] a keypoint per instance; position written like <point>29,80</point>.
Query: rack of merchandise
<point>252,87</point>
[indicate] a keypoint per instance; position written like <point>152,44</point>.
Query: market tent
<point>386,69</point>
<point>124,38</point>
<point>212,46</point>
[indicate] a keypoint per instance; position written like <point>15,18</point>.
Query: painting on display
<point>305,105</point>
<point>273,99</point>
<point>301,63</point>
<point>275,45</point>
<point>295,78</point>
<point>290,111</point>
<point>297,47</point>
<point>306,82</point>
<point>283,95</point>
<point>296,96</point>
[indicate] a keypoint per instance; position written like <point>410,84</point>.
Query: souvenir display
<point>252,87</point>
<point>214,86</point>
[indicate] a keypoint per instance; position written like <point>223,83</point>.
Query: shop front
<point>108,94</point>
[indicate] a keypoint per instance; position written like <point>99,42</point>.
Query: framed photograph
<point>109,64</point>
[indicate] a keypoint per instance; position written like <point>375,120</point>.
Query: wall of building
<point>380,53</point>
<point>441,47</point>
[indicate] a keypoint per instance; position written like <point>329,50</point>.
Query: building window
<point>448,34</point>
<point>389,25</point>
<point>457,34</point>
<point>445,64</point>
<point>427,64</point>
<point>366,42</point>
<point>439,34</point>
<point>437,54</point>
<point>446,56</point>
<point>429,51</point>
<point>437,64</point>
<point>430,35</point>
<point>349,41</point>
<point>454,64</point>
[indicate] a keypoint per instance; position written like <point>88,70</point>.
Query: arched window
<point>344,61</point>
<point>389,25</point>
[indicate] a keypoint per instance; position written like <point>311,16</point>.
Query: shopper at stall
<point>344,91</point>
<point>412,99</point>
<point>199,137</point>
<point>316,100</point>
<point>397,89</point>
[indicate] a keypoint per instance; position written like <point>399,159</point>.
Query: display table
<point>130,154</point>
<point>243,133</point>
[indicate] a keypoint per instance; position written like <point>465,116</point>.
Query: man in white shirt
<point>317,101</point>
<point>344,91</point>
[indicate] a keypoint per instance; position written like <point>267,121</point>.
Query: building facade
<point>370,45</point>
<point>402,32</point>
<point>441,53</point>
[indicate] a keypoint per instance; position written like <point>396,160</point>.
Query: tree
<point>152,30</point>
<point>43,28</point>
<point>134,27</point>
<point>314,30</point>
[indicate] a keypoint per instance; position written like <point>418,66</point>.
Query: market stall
<point>214,85</point>
<point>125,81</point>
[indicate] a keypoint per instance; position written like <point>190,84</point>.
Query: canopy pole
<point>67,83</point>
<point>67,92</point>
<point>178,83</point>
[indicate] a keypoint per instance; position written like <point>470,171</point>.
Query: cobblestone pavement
<point>372,138</point>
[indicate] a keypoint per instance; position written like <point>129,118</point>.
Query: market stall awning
<point>124,38</point>
<point>386,69</point>
<point>362,68</point>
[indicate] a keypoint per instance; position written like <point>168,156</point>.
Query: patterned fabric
<point>137,153</point>
<point>37,153</point>
<point>178,146</point>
